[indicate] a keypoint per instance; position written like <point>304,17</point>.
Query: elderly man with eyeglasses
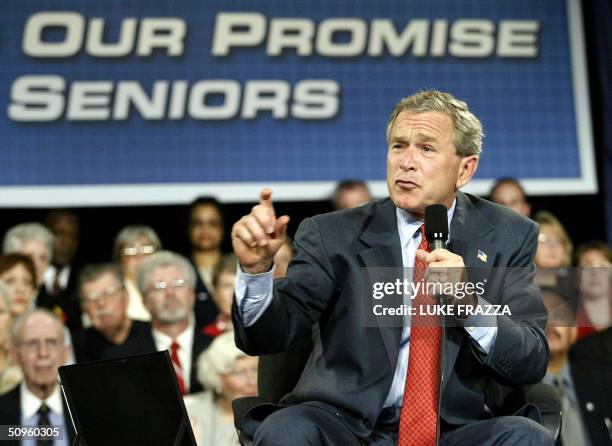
<point>166,281</point>
<point>38,348</point>
<point>105,301</point>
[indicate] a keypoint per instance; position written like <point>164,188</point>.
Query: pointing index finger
<point>265,197</point>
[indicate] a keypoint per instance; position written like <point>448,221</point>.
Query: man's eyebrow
<point>399,139</point>
<point>421,137</point>
<point>426,138</point>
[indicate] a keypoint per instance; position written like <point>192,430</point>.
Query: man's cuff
<point>253,294</point>
<point>482,328</point>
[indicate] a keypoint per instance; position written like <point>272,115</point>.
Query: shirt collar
<point>564,376</point>
<point>30,403</point>
<point>408,225</point>
<point>164,342</point>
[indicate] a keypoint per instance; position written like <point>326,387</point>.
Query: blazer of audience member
<point>11,413</point>
<point>145,343</point>
<point>166,281</point>
<point>322,284</point>
<point>205,310</point>
<point>92,345</point>
<point>591,368</point>
<point>66,303</point>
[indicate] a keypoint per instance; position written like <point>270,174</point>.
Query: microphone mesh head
<point>436,222</point>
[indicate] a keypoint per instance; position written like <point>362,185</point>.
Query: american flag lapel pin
<point>482,256</point>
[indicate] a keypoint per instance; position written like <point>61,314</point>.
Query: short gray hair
<point>130,234</point>
<point>467,128</point>
<point>15,237</point>
<point>21,320</point>
<point>162,259</point>
<point>5,295</point>
<point>94,271</point>
<point>219,358</point>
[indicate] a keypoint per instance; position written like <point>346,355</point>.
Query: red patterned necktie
<point>419,414</point>
<point>178,368</point>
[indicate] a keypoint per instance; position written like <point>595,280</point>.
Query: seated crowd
<point>54,312</point>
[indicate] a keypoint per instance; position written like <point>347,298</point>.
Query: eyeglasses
<point>131,251</point>
<point>545,239</point>
<point>106,294</point>
<point>162,284</point>
<point>33,345</point>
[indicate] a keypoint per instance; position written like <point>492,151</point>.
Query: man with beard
<point>105,301</point>
<point>167,283</point>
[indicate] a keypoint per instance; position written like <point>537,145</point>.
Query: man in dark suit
<point>59,292</point>
<point>591,367</point>
<point>38,348</point>
<point>166,281</point>
<point>383,385</point>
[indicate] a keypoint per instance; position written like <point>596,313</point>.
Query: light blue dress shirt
<point>254,293</point>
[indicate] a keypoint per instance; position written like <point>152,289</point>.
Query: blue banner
<point>120,102</point>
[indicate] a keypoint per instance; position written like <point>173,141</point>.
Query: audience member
<point>167,282</point>
<point>18,273</point>
<point>224,282</point>
<point>554,254</point>
<point>229,374</point>
<point>105,301</point>
<point>509,192</point>
<point>132,245</point>
<point>34,240</point>
<point>591,366</point>
<point>351,194</point>
<point>60,278</point>
<point>206,232</point>
<point>555,247</point>
<point>595,311</point>
<point>39,349</point>
<point>561,333</point>
<point>10,374</point>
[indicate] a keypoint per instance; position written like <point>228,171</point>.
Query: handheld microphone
<point>436,226</point>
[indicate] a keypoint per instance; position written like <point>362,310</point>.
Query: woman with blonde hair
<point>227,373</point>
<point>555,248</point>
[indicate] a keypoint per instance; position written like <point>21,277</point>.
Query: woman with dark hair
<point>18,273</point>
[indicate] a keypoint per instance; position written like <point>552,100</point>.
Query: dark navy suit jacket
<point>10,414</point>
<point>351,367</point>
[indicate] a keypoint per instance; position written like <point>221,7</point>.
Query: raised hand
<point>258,236</point>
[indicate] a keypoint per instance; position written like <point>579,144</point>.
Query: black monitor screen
<point>128,401</point>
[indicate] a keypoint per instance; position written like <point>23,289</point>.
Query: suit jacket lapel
<point>468,231</point>
<point>200,342</point>
<point>384,250</point>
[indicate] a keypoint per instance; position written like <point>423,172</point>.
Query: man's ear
<point>467,169</point>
